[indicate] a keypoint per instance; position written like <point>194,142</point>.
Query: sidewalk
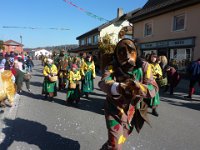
<point>9,113</point>
<point>184,86</point>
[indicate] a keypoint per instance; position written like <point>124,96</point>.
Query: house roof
<point>84,48</point>
<point>12,43</point>
<point>99,28</point>
<point>158,7</point>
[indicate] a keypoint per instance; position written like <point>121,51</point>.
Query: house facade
<point>170,28</point>
<point>13,46</point>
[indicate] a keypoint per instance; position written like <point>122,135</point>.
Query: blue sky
<point>58,14</point>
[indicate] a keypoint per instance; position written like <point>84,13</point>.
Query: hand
<point>123,89</point>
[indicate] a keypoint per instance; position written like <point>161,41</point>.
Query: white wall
<point>43,51</point>
<point>113,30</point>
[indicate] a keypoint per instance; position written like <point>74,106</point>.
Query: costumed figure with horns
<point>62,70</point>
<point>126,81</point>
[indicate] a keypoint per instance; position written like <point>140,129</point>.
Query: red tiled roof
<point>11,42</point>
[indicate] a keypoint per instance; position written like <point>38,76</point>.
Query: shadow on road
<point>98,94</point>
<point>35,133</point>
<point>92,104</point>
<point>189,104</point>
<point>35,83</point>
<point>38,75</point>
<point>32,95</point>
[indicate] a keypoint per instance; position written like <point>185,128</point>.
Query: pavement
<point>36,124</point>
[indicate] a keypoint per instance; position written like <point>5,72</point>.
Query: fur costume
<point>126,81</point>
<point>7,87</point>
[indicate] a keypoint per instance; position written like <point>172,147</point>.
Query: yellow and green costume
<point>88,72</point>
<point>48,86</point>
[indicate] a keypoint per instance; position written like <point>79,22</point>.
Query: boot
<point>50,99</point>
<point>86,95</point>
<point>154,112</point>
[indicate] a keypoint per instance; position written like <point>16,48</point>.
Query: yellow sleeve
<point>93,70</point>
<point>46,71</point>
<point>78,77</point>
<point>83,66</point>
<point>71,76</point>
<point>159,70</point>
<point>54,69</point>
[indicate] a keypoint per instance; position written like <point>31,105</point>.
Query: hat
<point>74,66</point>
<point>49,60</point>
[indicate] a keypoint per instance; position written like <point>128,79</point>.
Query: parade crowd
<point>131,83</point>
<point>75,74</point>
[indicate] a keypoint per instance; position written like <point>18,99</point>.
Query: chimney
<point>119,12</point>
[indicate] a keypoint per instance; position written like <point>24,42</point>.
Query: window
<point>95,39</point>
<point>82,42</point>
<point>148,29</point>
<point>175,53</point>
<point>179,22</point>
<point>13,48</point>
<point>89,41</point>
<point>188,54</point>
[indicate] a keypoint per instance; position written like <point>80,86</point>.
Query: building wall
<point>113,30</point>
<point>163,27</point>
<point>10,48</point>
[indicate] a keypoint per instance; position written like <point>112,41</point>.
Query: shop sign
<point>184,42</point>
<point>168,43</point>
<point>148,46</point>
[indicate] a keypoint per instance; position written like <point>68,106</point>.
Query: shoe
<point>155,113</point>
<point>45,97</point>
<point>29,90</point>
<point>9,105</point>
<point>50,99</point>
<point>188,97</point>
<point>20,91</point>
<point>86,95</point>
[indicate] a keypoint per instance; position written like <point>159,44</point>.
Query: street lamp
<point>21,38</point>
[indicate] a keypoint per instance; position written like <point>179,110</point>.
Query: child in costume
<point>88,74</point>
<point>49,87</point>
<point>73,92</point>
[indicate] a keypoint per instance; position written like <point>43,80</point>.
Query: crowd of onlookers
<point>16,68</point>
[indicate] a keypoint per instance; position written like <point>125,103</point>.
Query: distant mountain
<point>54,48</point>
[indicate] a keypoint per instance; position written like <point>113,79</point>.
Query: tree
<point>1,45</point>
<point>106,48</point>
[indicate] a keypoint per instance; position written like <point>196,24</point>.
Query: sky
<point>56,14</point>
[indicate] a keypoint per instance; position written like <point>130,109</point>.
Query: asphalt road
<point>34,123</point>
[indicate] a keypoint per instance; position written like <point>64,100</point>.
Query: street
<point>34,123</point>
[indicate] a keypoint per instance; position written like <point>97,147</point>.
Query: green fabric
<point>88,83</point>
<point>155,100</point>
<point>150,87</point>
<point>137,73</point>
<point>112,123</point>
<point>49,87</point>
<point>73,93</point>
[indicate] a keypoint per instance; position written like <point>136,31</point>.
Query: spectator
<point>194,75</point>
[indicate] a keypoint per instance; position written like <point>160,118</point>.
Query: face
<point>73,69</point>
<point>127,54</point>
<point>153,58</point>
<point>89,59</point>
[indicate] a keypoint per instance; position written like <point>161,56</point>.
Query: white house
<point>42,52</point>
